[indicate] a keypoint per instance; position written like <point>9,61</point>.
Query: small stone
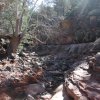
<point>46,96</point>
<point>8,68</point>
<point>29,97</point>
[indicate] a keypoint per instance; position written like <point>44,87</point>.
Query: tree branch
<point>11,25</point>
<point>21,17</point>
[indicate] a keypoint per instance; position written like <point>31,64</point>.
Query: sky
<point>39,2</point>
<point>45,2</point>
<point>32,3</point>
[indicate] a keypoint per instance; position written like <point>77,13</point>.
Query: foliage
<point>19,16</point>
<point>59,7</point>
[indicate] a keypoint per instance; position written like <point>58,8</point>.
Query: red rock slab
<point>83,83</point>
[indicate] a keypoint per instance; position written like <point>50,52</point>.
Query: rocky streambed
<point>35,74</point>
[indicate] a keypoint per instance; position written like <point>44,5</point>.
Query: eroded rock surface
<point>83,83</point>
<point>43,68</point>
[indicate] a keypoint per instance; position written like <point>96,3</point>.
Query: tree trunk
<point>15,39</point>
<point>14,42</point>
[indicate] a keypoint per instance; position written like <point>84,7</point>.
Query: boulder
<point>82,83</point>
<point>96,46</point>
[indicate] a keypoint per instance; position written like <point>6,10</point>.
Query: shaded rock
<point>96,46</point>
<point>97,56</point>
<point>34,89</point>
<point>94,62</point>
